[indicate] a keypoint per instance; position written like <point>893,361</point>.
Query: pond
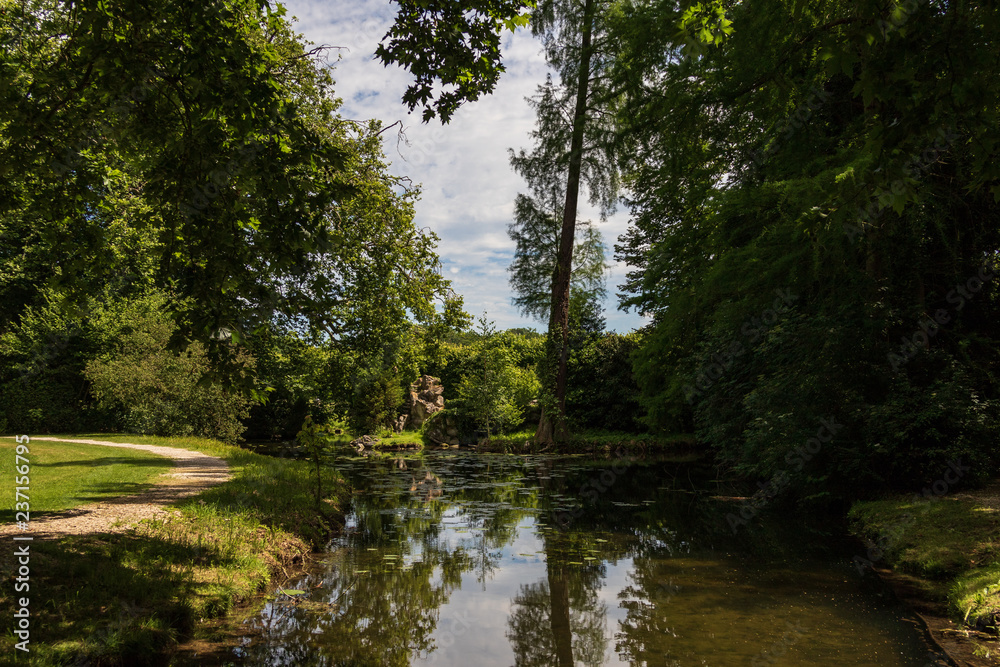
<point>453,558</point>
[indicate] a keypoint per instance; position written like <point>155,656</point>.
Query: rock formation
<point>426,398</point>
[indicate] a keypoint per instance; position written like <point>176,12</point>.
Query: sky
<point>468,187</point>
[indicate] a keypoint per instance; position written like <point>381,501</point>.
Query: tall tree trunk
<point>552,425</point>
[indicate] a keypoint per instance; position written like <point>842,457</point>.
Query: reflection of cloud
<point>468,185</point>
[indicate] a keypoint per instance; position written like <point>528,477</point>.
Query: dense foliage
<point>813,189</point>
<point>148,389</point>
<point>500,380</point>
<point>602,392</point>
<point>202,146</point>
<point>814,230</point>
<point>195,152</point>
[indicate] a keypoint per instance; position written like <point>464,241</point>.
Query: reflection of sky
<point>700,606</point>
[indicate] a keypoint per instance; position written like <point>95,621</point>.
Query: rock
<point>364,441</point>
<point>443,431</point>
<point>400,423</point>
<point>426,398</point>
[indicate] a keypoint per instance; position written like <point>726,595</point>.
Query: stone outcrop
<point>443,431</point>
<point>426,398</point>
<point>400,423</point>
<point>364,441</point>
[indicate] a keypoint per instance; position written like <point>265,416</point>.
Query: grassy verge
<point>128,599</point>
<point>951,545</point>
<point>65,475</point>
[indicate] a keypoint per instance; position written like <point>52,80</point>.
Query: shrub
<point>42,388</point>
<point>601,390</point>
<point>298,375</point>
<point>155,391</point>
<point>376,404</point>
<point>499,380</point>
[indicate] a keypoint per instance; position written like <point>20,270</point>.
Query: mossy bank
<point>942,551</point>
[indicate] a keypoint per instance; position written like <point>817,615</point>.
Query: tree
<point>453,47</point>
<point>806,212</point>
<point>496,388</point>
<point>536,237</point>
<point>571,145</point>
<point>206,138</point>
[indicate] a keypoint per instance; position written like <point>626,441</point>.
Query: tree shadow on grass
<point>103,492</point>
<point>118,598</point>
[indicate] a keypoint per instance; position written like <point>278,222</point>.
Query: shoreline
<point>135,596</point>
<point>936,557</point>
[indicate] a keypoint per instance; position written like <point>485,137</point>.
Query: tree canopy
<point>808,191</point>
<point>197,149</point>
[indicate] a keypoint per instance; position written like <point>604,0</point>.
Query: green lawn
<point>63,475</point>
<point>128,598</point>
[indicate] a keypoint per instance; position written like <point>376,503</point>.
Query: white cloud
<point>468,187</point>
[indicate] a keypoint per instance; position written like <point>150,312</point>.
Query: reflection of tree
<point>647,625</point>
<point>559,621</point>
<point>382,616</point>
<point>554,623</point>
<point>390,612</point>
<point>446,517</point>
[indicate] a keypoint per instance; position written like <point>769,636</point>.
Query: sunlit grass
<point>65,475</point>
<point>124,598</point>
<point>952,543</point>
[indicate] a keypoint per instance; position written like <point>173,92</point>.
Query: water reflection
<point>459,559</point>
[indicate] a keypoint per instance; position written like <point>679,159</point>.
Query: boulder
<point>426,398</point>
<point>443,431</point>
<point>364,441</point>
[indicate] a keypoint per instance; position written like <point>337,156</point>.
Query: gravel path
<point>193,473</point>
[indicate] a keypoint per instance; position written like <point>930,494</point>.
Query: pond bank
<point>133,597</point>
<point>941,554</point>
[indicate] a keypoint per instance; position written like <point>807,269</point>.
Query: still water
<point>458,559</point>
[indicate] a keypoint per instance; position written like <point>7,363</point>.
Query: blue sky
<point>468,185</point>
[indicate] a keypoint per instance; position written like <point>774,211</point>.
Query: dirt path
<point>193,472</point>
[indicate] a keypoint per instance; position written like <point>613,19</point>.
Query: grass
<point>406,439</point>
<point>65,475</point>
<point>952,545</point>
<point>128,599</point>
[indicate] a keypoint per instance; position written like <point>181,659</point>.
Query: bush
<point>601,390</point>
<point>155,391</point>
<point>376,403</point>
<point>299,376</point>
<point>499,380</point>
<point>42,388</point>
